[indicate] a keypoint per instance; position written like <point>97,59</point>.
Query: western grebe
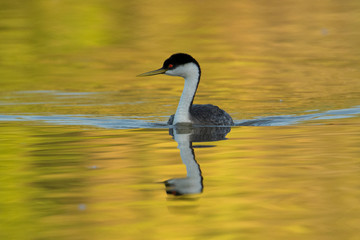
<point>184,65</point>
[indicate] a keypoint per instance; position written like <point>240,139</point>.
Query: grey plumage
<point>207,114</point>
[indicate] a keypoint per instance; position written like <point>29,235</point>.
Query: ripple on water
<point>141,122</point>
<point>60,99</point>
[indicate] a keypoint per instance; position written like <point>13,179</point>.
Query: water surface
<point>85,152</point>
<point>278,182</point>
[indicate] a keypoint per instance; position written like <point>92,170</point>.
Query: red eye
<point>170,66</point>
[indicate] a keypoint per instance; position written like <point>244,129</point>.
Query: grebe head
<point>179,64</point>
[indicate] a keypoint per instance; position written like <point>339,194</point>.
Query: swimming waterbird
<point>184,65</point>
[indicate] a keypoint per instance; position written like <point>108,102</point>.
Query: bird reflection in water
<point>185,136</point>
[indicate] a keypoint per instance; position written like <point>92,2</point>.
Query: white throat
<point>191,73</point>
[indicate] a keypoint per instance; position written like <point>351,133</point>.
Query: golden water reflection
<point>263,182</point>
<point>258,59</point>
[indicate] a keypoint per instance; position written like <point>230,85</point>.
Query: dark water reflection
<point>185,137</point>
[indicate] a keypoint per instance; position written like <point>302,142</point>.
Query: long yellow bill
<point>158,71</point>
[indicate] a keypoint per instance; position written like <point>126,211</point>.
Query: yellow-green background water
<point>84,148</point>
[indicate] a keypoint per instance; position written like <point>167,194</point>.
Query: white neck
<point>182,114</point>
<point>190,72</point>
